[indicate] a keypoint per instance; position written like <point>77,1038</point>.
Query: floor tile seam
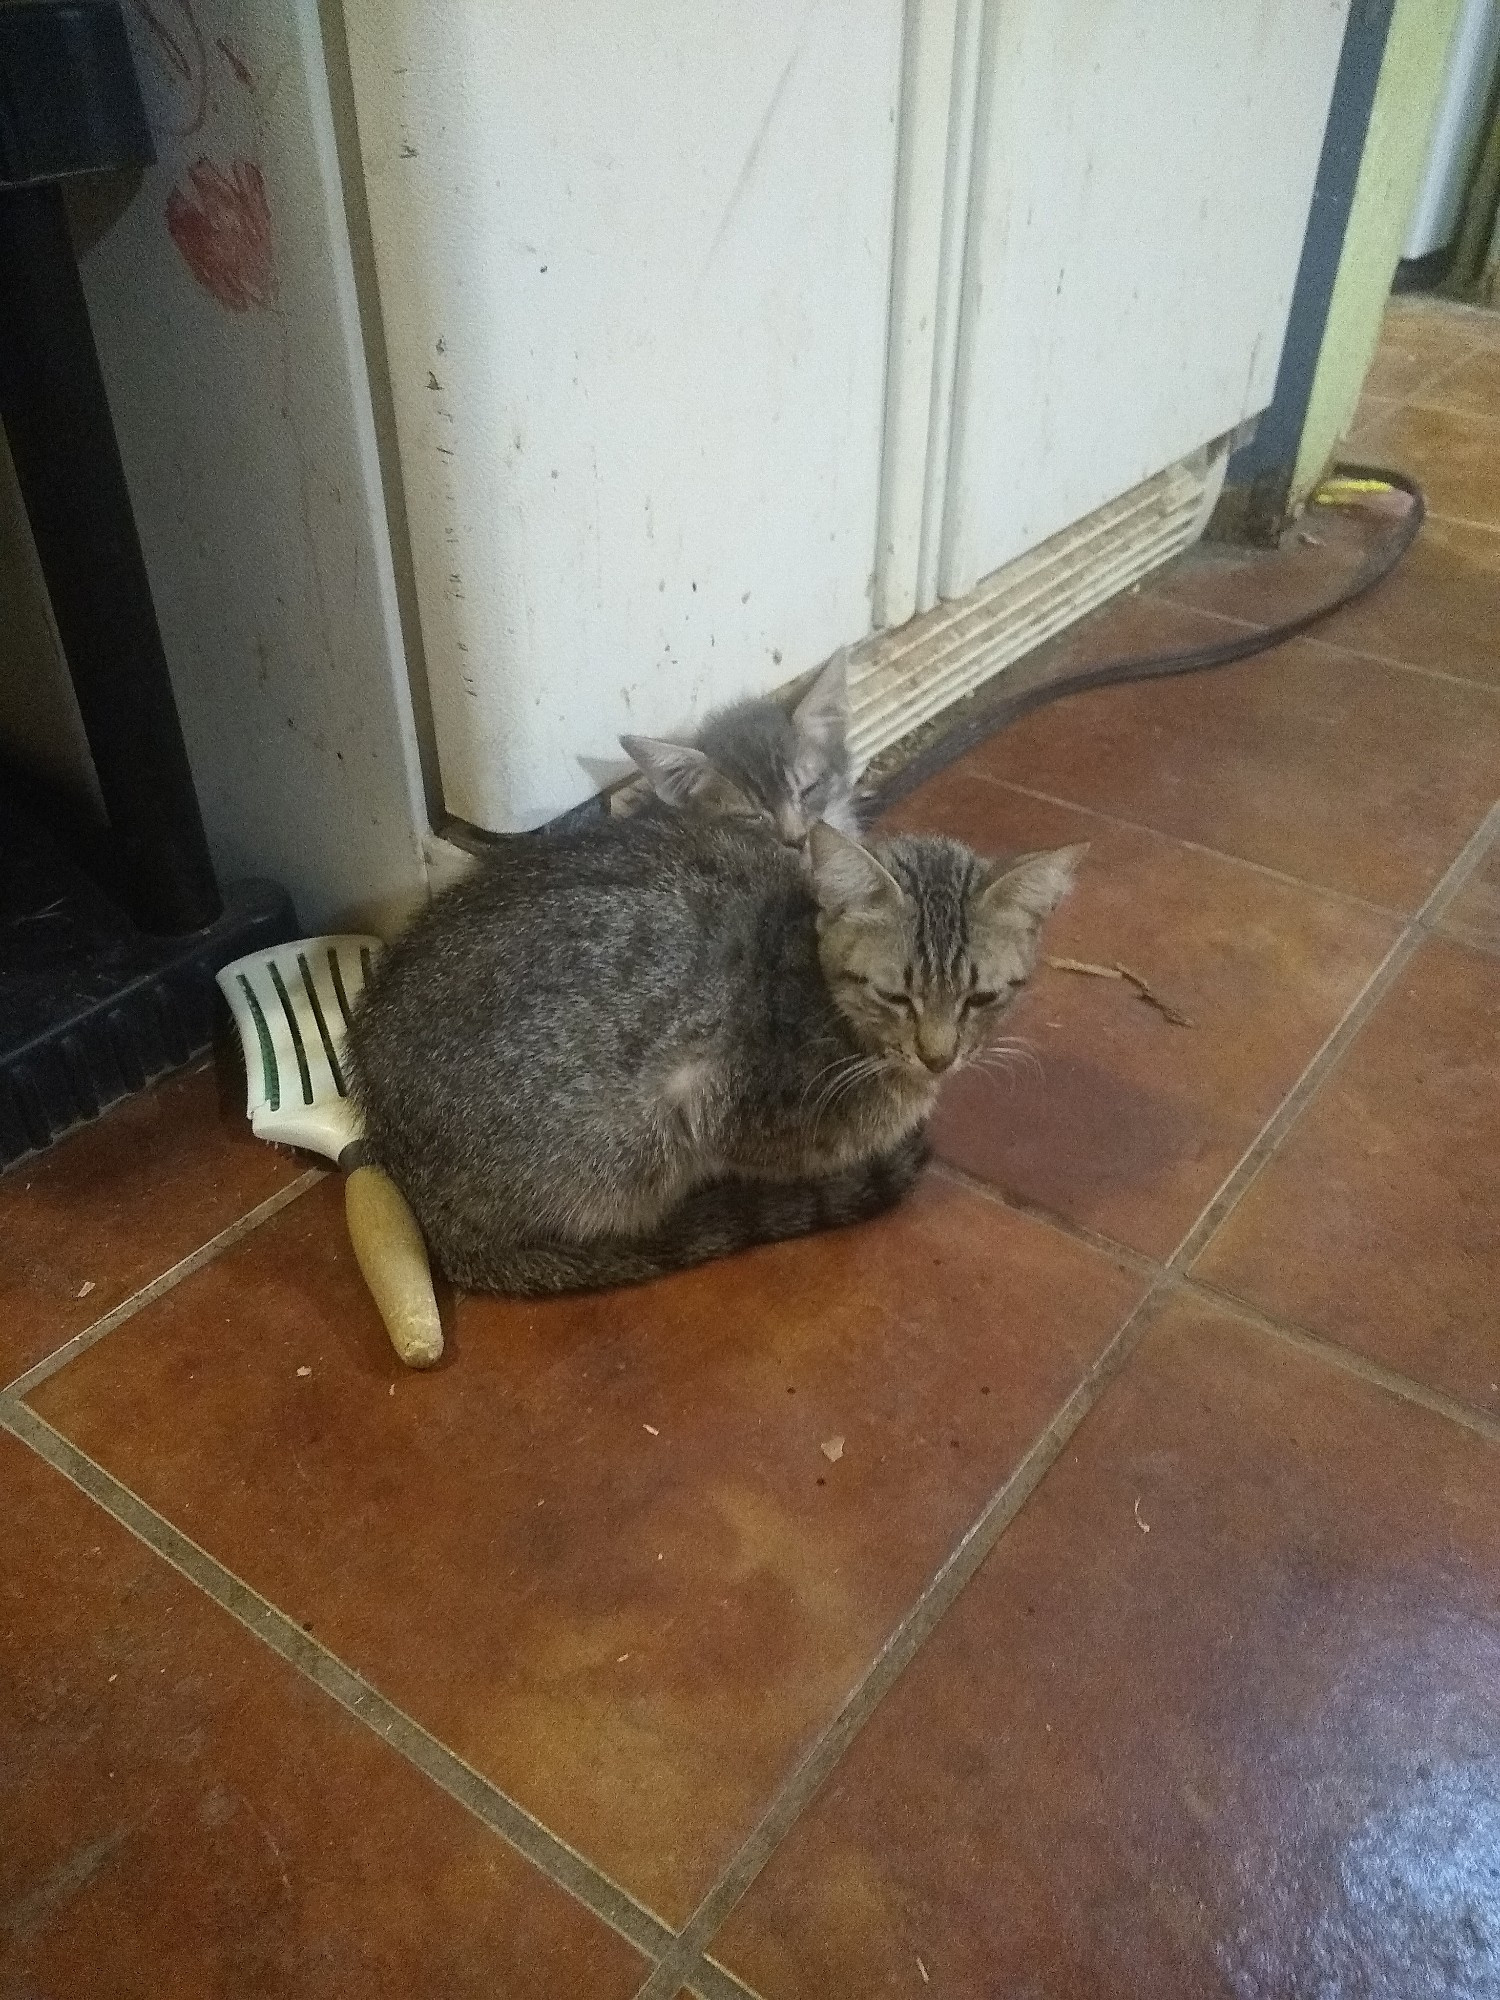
<point>1434,309</point>
<point>1464,864</point>
<point>703,1977</point>
<point>905,1643</point>
<point>1327,1058</point>
<point>1168,599</point>
<point>1441,373</point>
<point>1421,401</point>
<point>164,1282</point>
<point>527,1835</point>
<point>675,1972</point>
<point>1366,654</point>
<point>1295,1101</point>
<point>1128,825</point>
<point>1347,1360</point>
<point>1437,513</point>
<point>1463,934</point>
<point>1137,1261</point>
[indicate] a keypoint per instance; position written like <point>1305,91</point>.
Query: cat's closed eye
<point>893,998</point>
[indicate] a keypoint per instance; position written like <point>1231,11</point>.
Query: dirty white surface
<point>634,265</point>
<point>1141,184</point>
<point>224,312</point>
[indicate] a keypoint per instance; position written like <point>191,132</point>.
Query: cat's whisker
<point>1000,1060</point>
<point>855,1072</point>
<point>859,1070</point>
<point>991,1075</point>
<point>838,1063</point>
<point>1011,1047</point>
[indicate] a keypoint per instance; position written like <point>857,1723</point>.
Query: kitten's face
<point>924,946</point>
<point>755,761</point>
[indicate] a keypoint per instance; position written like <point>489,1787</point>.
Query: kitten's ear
<point>675,771</point>
<point>1035,884</point>
<point>845,875</point>
<point>822,715</point>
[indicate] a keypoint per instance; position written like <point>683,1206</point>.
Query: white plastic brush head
<point>292,1007</point>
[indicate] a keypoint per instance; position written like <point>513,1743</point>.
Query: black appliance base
<point>91,1007</point>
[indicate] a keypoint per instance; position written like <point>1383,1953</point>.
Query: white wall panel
<point>634,267</point>
<point>224,310</point>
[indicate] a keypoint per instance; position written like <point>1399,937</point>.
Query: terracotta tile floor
<point>1141,1635</point>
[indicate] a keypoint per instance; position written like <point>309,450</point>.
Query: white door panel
<point>634,266</point>
<point>1140,192</point>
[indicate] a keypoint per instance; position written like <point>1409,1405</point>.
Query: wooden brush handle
<point>392,1257</point>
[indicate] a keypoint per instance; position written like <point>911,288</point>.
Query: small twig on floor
<point>1152,999</point>
<point>1163,1007</point>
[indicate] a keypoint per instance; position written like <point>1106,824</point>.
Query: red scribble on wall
<point>179,46</point>
<point>222,227</point>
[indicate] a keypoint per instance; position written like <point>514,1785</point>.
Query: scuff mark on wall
<point>747,171</point>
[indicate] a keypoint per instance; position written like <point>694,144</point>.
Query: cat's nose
<point>792,826</point>
<point>937,1051</point>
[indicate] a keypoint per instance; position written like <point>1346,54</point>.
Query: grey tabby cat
<point>758,761</point>
<point>628,1049</point>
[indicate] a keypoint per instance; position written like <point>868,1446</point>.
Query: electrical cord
<point>1001,709</point>
<point>1004,709</point>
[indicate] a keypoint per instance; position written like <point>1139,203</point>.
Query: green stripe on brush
<point>271,1074</point>
<point>291,1020</point>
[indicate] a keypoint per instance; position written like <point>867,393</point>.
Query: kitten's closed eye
<point>755,761</point>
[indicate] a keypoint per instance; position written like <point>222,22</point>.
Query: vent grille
<point>899,680</point>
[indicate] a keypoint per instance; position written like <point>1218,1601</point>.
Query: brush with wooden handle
<point>291,1006</point>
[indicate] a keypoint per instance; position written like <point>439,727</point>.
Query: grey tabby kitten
<point>756,760</point>
<point>620,1051</point>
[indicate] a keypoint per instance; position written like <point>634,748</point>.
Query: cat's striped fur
<point>655,1041</point>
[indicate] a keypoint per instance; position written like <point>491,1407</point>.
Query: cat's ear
<point>676,772</point>
<point>1035,884</point>
<point>847,876</point>
<point>821,717</point>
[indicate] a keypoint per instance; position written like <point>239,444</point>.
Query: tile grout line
<point>1171,600</point>
<point>1348,1360</point>
<point>1426,916</point>
<point>1451,366</point>
<point>1139,1261</point>
<point>948,1581</point>
<point>936,1598</point>
<point>1466,936</point>
<point>679,1955</point>
<point>206,1253</point>
<point>1363,654</point>
<point>1407,1387</point>
<point>533,1841</point>
<point>1462,520</point>
<point>1414,932</point>
<point>1127,825</point>
<point>707,1980</point>
<point>1423,402</point>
